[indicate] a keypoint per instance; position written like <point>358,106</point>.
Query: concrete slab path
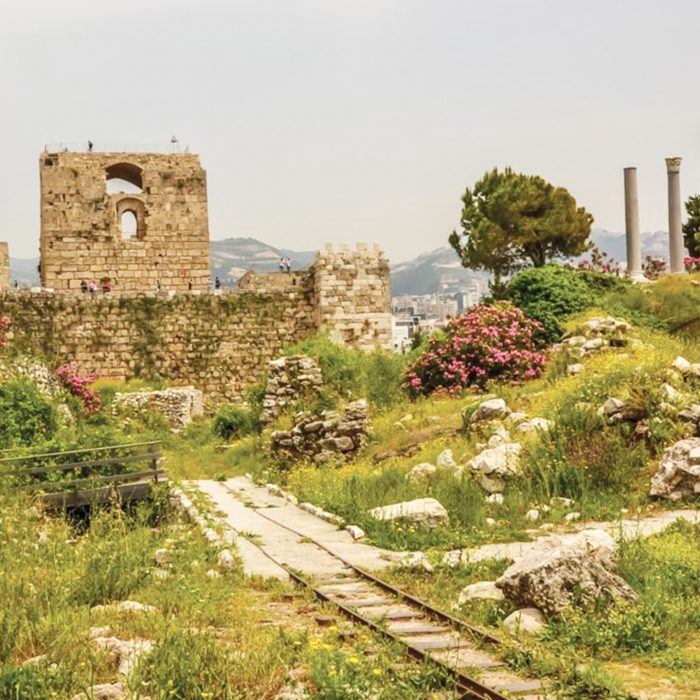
<point>242,502</point>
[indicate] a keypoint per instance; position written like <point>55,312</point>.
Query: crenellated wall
<point>218,342</point>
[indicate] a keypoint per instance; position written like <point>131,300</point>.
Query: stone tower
<point>138,220</point>
<point>352,291</point>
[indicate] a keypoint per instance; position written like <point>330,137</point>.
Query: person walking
<point>281,264</point>
<point>217,283</point>
<point>288,264</point>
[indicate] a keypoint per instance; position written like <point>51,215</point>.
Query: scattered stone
<point>533,515</point>
<point>495,499</point>
<point>690,414</point>
<point>499,437</point>
<point>425,512</point>
<point>178,405</point>
<point>493,464</point>
<point>534,424</point>
<point>573,516</point>
<point>593,344</point>
<point>125,652</point>
<point>213,573</point>
<point>416,560</point>
<point>611,407</point>
<point>491,522</point>
<point>356,532</point>
<point>678,475</point>
<point>526,621</point>
<point>492,409</point>
<point>225,560</point>
<point>124,606</point>
<point>515,418</point>
<point>682,365</point>
<point>424,470</point>
<point>483,590</point>
<point>574,369</point>
<point>103,691</point>
<point>562,501</point>
<point>100,632</point>
<point>549,577</point>
<point>446,460</point>
<point>163,556</point>
<point>35,660</point>
<point>670,393</point>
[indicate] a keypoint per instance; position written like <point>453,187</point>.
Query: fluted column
<point>632,236</point>
<point>675,231</point>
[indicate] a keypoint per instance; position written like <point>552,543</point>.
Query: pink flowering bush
<point>653,267</point>
<point>4,326</point>
<point>488,342</point>
<point>691,264</point>
<point>80,387</point>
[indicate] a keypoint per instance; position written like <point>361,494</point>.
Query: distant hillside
<point>233,257</point>
<point>440,270</point>
<point>436,271</point>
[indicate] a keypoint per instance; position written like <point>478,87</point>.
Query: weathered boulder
<point>482,590</point>
<point>493,409</point>
<point>525,621</point>
<point>499,437</point>
<point>682,365</point>
<point>533,425</point>
<point>562,572</point>
<point>421,471</point>
<point>124,606</point>
<point>446,460</point>
<point>678,475</point>
<point>424,512</point>
<point>494,464</point>
<point>126,652</point>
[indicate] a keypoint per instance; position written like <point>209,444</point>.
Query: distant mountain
<point>233,257</point>
<point>437,271</point>
<point>440,270</point>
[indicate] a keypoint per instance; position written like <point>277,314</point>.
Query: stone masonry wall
<point>4,266</point>
<point>353,296</point>
<point>218,343</point>
<point>81,232</point>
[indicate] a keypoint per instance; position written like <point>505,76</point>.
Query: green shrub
<point>26,415</point>
<point>234,422</point>
<point>552,293</point>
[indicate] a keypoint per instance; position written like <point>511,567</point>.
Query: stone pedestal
<point>634,249</point>
<point>675,232</point>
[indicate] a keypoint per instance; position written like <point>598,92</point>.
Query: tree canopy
<point>691,228</point>
<point>511,220</point>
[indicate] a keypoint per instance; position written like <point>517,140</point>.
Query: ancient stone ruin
<point>289,379</point>
<point>178,406</point>
<point>328,436</point>
<point>4,266</point>
<point>151,233</point>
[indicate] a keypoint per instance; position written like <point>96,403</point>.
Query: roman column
<point>634,248</point>
<point>675,232</point>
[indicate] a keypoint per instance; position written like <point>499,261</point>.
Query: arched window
<point>124,178</point>
<point>129,224</point>
<point>131,215</point>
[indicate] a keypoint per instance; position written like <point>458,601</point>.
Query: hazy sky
<point>357,120</point>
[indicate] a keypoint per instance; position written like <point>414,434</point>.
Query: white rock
<point>669,392</point>
<point>533,515</point>
<point>593,344</point>
<point>416,560</point>
<point>571,517</point>
<point>495,499</point>
<point>533,425</point>
<point>525,621</point>
<point>489,410</point>
<point>213,573</point>
<point>356,532</point>
<point>501,461</point>
<point>128,606</point>
<point>163,556</point>
<point>483,590</point>
<point>126,652</point>
<point>103,691</point>
<point>682,365</point>
<point>561,571</point>
<point>516,418</point>
<point>225,560</point>
<point>678,475</point>
<point>491,522</point>
<point>446,460</point>
<point>499,437</point>
<point>574,369</point>
<point>421,471</point>
<point>561,500</point>
<point>576,341</point>
<point>426,512</point>
<point>611,407</point>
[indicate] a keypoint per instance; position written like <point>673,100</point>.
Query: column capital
<point>673,165</point>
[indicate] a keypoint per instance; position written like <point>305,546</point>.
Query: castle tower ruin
<point>138,220</point>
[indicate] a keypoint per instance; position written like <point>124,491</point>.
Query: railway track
<point>467,654</point>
